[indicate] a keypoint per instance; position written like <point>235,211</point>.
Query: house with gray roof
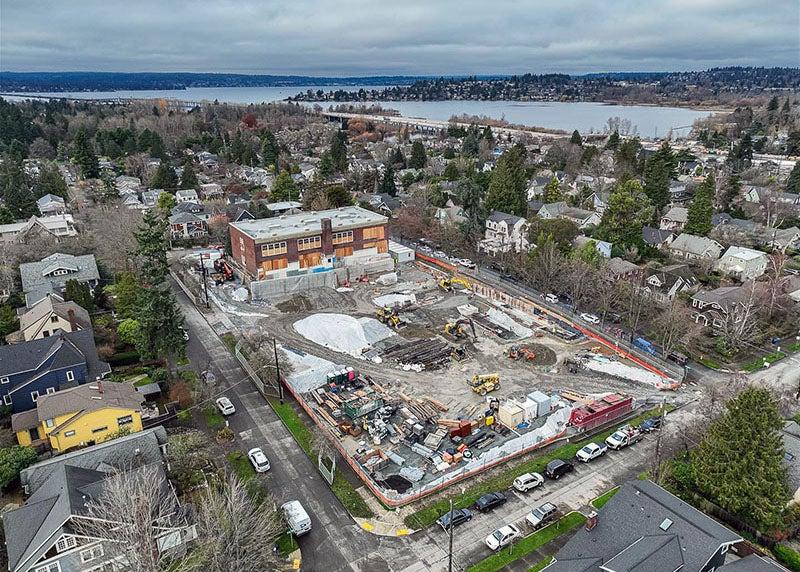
<point>663,284</point>
<point>656,237</point>
<point>50,275</point>
<point>186,226</point>
<point>674,219</point>
<point>51,205</point>
<point>504,232</point>
<point>728,304</point>
<point>742,263</point>
<point>692,247</point>
<point>49,316</point>
<point>645,528</point>
<point>44,534</point>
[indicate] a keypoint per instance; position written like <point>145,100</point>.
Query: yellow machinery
<point>483,384</point>
<point>447,284</point>
<point>458,329</point>
<point>390,317</point>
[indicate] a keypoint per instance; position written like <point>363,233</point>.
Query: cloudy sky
<point>367,37</point>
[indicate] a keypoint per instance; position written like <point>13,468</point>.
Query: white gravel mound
<point>342,333</point>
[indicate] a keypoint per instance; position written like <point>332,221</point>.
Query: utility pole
<point>204,271</point>
<point>450,549</point>
<point>277,370</point>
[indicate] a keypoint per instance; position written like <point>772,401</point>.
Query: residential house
<point>678,193</point>
<point>44,534</point>
<point>46,365</point>
<point>759,194</point>
<point>384,203</point>
<point>675,219</point>
<point>51,205</point>
<point>691,247</point>
<point>126,184</point>
<point>602,247</point>
<point>505,232</point>
<point>55,227</point>
<point>194,208</point>
<point>582,218</point>
<point>621,269</point>
<point>782,239</point>
<point>643,527</point>
<point>307,169</point>
<point>186,196</point>
<point>536,187</point>
<point>50,275</point>
<point>48,316</point>
<point>656,237</point>
<point>80,416</point>
<point>150,198</point>
<point>663,285</point>
<point>185,225</point>
<point>742,263</point>
<point>211,191</point>
<point>284,207</point>
<point>449,215</point>
<point>725,305</point>
<point>599,201</point>
<point>131,201</point>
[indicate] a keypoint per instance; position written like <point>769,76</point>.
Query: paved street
<point>336,542</point>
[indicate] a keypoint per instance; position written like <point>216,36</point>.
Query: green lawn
<point>428,514</point>
<point>758,363</point>
<point>600,501</point>
<point>213,417</point>
<point>241,465</point>
<point>342,488</point>
<point>286,544</point>
<point>528,544</point>
<point>540,566</point>
<point>710,363</point>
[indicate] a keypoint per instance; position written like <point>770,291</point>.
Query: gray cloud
<point>365,37</point>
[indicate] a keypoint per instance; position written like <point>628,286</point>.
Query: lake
<point>649,121</point>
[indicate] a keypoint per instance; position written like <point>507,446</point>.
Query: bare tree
<point>740,319</point>
<point>236,531</point>
<point>136,514</point>
<point>113,229</point>
<point>775,282</point>
<point>674,324</point>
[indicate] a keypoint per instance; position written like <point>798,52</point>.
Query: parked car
<point>297,518</point>
<point>591,318</point>
<point>591,452</point>
<point>678,358</point>
<point>623,437</point>
<point>259,460</point>
<point>460,516</point>
<point>467,263</point>
<point>540,515</point>
<point>225,406</point>
<point>552,298</point>
<point>650,425</point>
<point>528,481</point>
<point>503,537</point>
<point>557,468</point>
<point>489,501</point>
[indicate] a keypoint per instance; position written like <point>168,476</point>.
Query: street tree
<point>746,441</point>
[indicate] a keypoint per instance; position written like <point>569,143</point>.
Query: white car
<point>590,452</point>
<point>528,481</point>
<point>503,537</point>
<point>467,263</point>
<point>591,318</point>
<point>225,406</point>
<point>259,460</point>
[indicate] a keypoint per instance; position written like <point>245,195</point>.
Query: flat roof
<point>308,223</point>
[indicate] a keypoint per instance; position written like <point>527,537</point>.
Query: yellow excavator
<point>483,384</point>
<point>458,329</point>
<point>390,317</point>
<point>446,284</point>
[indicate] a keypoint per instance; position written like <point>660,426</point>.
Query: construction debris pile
<point>343,333</point>
<point>424,354</point>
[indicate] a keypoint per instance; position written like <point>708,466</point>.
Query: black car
<point>558,468</point>
<point>460,516</point>
<point>649,425</point>
<point>489,501</point>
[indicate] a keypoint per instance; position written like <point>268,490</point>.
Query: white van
<point>297,517</point>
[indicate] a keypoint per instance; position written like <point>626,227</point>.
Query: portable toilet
<point>542,400</point>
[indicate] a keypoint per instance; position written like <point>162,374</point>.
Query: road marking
<point>246,435</point>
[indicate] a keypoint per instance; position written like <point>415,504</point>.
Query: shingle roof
<point>32,273</point>
<point>57,307</point>
<point>653,553</point>
<point>753,563</point>
<point>655,236</point>
<point>88,397</point>
<point>697,245</point>
<point>510,219</point>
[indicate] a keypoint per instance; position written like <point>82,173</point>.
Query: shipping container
<point>600,412</point>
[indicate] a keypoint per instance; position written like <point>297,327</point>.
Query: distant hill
<point>30,82</point>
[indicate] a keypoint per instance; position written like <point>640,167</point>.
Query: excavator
<point>483,384</point>
<point>446,284</point>
<point>521,352</point>
<point>389,316</point>
<point>222,272</point>
<point>458,330</point>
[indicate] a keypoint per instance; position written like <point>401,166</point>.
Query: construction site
<point>422,378</point>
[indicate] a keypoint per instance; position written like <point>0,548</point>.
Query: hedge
<point>788,557</point>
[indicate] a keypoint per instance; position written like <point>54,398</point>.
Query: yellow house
<point>80,416</point>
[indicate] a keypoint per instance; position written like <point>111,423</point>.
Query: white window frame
<point>309,243</point>
<point>70,433</point>
<point>91,553</point>
<point>70,376</point>
<point>4,380</point>
<point>125,420</point>
<point>52,567</point>
<point>65,543</point>
<point>49,423</point>
<point>51,390</point>
<point>34,395</point>
<point>7,399</point>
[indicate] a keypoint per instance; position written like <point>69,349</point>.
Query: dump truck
<point>483,384</point>
<point>623,437</point>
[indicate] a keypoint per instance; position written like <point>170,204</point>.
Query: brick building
<point>291,245</point>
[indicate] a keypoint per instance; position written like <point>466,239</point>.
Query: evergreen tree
<point>627,212</point>
<point>80,293</point>
<point>83,155</point>
<point>471,145</point>
<point>507,188</point>
<point>397,158</point>
<point>326,168</point>
<point>126,293</point>
<point>151,248</point>
<point>470,195</point>
<point>739,463</point>
<point>552,192</point>
<point>16,193</point>
<point>576,138</point>
<point>338,196</point>
<point>165,178</point>
<point>284,188</point>
<point>701,209</point>
<point>388,185</point>
<point>451,171</point>
<point>772,106</point>
<point>51,182</point>
<point>338,151</point>
<point>613,141</point>
<point>658,172</point>
<point>793,182</point>
<point>418,158</point>
<point>731,191</point>
<point>188,176</point>
<point>270,151</point>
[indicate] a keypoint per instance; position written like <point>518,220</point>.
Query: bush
<point>184,415</point>
<point>225,434</point>
<point>123,358</point>
<point>788,557</point>
<point>13,460</point>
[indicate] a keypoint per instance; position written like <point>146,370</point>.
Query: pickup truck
<point>623,437</point>
<point>591,452</point>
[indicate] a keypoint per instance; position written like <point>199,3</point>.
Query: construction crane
<point>483,384</point>
<point>446,284</point>
<point>457,329</point>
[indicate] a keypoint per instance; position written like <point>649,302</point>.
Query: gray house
<point>50,275</point>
